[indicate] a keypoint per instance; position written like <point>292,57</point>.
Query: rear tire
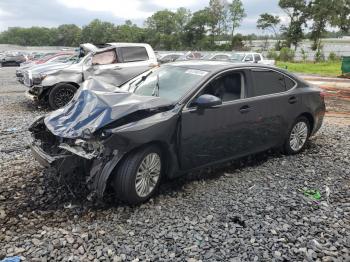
<point>60,95</point>
<point>297,137</point>
<point>138,176</point>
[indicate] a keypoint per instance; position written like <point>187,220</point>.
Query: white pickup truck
<point>113,63</point>
<point>251,57</point>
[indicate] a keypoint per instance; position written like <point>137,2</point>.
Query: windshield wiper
<point>155,91</point>
<point>140,81</point>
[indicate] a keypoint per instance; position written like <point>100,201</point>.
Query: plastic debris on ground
<point>313,194</point>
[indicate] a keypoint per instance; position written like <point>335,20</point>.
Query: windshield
<point>169,82</point>
<point>237,57</point>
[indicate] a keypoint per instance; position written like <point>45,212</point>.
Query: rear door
<point>272,105</point>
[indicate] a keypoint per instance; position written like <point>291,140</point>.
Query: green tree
<point>99,32</point>
<point>321,17</point>
<point>162,29</point>
<point>236,15</point>
<point>268,22</point>
<point>216,12</point>
<point>129,32</point>
<point>196,29</point>
<point>68,35</point>
<point>298,12</point>
<point>182,18</point>
<point>340,15</point>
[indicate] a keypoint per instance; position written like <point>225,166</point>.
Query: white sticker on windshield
<point>196,72</point>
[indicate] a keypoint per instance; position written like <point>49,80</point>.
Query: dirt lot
<point>249,210</point>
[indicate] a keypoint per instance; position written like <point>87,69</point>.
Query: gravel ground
<point>250,210</point>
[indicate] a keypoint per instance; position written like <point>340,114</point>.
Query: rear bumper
<point>318,120</point>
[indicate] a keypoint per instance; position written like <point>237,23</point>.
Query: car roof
<point>128,44</point>
<point>216,66</point>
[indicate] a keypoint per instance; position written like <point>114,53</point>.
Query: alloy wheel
<point>298,136</point>
<point>148,175</point>
<point>63,97</point>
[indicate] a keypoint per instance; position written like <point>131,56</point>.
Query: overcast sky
<point>50,13</point>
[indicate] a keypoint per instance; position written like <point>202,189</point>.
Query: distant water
<point>341,47</point>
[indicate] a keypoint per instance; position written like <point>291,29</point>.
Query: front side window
<point>105,58</point>
<point>228,87</point>
<point>249,58</point>
<point>237,57</point>
<point>134,54</point>
<point>269,82</point>
<point>169,82</point>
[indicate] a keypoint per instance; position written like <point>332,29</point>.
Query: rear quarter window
<point>289,83</point>
<point>134,54</point>
<point>268,82</point>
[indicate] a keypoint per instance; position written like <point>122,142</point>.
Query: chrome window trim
<point>186,108</point>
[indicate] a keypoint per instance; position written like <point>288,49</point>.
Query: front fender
<point>62,76</point>
<point>100,172</point>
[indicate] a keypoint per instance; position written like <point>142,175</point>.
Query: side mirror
<point>207,101</point>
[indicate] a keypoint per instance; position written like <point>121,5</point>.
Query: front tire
<point>297,136</point>
<point>138,176</point>
<point>60,95</point>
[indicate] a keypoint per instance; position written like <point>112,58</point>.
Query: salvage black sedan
<point>179,117</point>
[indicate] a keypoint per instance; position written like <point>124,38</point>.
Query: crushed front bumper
<point>30,96</point>
<point>35,92</point>
<point>63,163</point>
<point>44,158</point>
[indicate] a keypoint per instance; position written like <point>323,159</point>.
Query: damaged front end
<point>92,134</point>
<point>64,155</point>
<point>67,156</point>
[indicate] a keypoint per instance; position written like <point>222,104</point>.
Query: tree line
<point>200,30</point>
<point>311,15</point>
<point>164,30</point>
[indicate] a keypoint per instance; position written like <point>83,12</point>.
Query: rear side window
<point>289,83</point>
<point>257,57</point>
<point>270,82</point>
<point>220,57</point>
<point>134,53</point>
<point>105,58</point>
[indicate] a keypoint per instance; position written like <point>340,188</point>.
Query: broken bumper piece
<point>30,96</point>
<point>62,163</point>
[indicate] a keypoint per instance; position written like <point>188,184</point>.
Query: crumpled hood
<point>95,105</point>
<point>48,67</point>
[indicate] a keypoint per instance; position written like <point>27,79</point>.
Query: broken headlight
<point>37,79</point>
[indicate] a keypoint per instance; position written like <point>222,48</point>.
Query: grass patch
<point>322,69</point>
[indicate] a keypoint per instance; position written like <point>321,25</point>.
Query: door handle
<point>117,68</point>
<point>292,100</point>
<point>244,109</point>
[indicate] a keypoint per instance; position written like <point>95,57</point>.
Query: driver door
<point>219,133</point>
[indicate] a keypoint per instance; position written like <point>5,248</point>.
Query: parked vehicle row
<point>236,57</point>
<point>12,58</point>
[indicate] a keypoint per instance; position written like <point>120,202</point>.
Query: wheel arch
<point>47,89</point>
<point>163,146</point>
